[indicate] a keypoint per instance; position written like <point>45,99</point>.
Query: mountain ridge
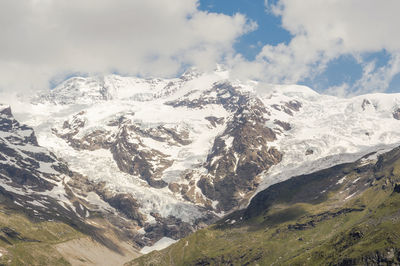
<point>172,156</point>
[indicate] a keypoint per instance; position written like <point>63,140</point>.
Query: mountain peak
<point>5,110</point>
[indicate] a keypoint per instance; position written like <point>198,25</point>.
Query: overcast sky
<point>341,47</point>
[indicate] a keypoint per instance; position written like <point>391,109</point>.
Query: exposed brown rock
<point>222,93</point>
<point>365,103</point>
<point>233,167</point>
<point>174,187</point>
<point>276,107</point>
<point>128,150</point>
<point>6,112</point>
<point>125,203</point>
<point>215,120</point>
<point>396,114</point>
<point>147,164</point>
<point>171,227</point>
<point>286,126</point>
<point>309,151</point>
<point>294,105</point>
<point>288,107</point>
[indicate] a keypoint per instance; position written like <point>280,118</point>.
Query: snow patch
<point>350,196</point>
<point>160,244</point>
<point>341,180</point>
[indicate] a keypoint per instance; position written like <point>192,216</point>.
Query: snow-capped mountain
<point>37,183</point>
<point>189,149</point>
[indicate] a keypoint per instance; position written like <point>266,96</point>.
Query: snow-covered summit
<point>85,90</point>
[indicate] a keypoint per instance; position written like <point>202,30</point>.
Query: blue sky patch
<point>269,29</point>
<point>343,70</point>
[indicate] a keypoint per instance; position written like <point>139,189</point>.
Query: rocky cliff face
<point>240,153</point>
<point>24,164</point>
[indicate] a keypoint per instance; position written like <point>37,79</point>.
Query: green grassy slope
<point>24,242</point>
<point>345,215</point>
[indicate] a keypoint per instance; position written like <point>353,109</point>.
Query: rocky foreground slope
<point>157,159</point>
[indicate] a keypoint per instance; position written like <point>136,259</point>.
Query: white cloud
<point>341,90</point>
<point>374,78</point>
<point>324,30</point>
<point>43,38</point>
<point>377,79</point>
<point>354,25</point>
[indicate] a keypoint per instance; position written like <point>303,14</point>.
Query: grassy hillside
<point>345,215</point>
<point>24,242</point>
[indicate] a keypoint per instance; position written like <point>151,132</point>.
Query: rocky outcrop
<point>214,121</point>
<point>389,256</point>
<point>239,154</point>
<point>22,161</point>
<point>129,206</point>
<point>284,125</point>
<point>396,114</point>
<point>126,142</point>
<point>309,151</point>
<point>92,140</point>
<point>18,134</point>
<point>222,93</point>
<point>288,107</point>
<point>293,105</point>
<point>132,158</point>
<point>365,104</point>
<point>171,227</point>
